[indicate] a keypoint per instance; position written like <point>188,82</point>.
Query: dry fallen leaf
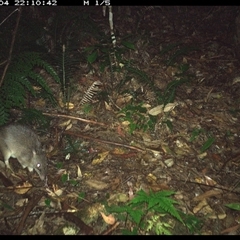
<point>201,156</point>
<point>169,162</point>
<point>125,123</point>
<point>67,157</point>
<point>108,219</point>
<point>170,106</point>
<point>118,151</point>
<point>69,231</point>
<point>217,216</point>
<point>69,126</point>
<point>108,107</point>
<point>116,198</point>
<point>130,193</point>
<point>120,131</point>
<point>203,204</point>
<point>96,184</point>
<point>209,181</point>
<point>231,230</point>
<point>207,194</point>
<point>152,143</point>
<point>21,189</point>
<point>66,105</point>
<point>100,157</point>
<point>123,99</point>
<point>236,80</point>
<point>38,227</point>
<point>146,105</point>
<point>55,193</point>
<point>21,202</point>
<point>156,110</point>
<point>151,178</point>
<point>79,172</point>
<point>65,123</point>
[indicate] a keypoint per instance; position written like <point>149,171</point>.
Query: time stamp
<point>19,3</point>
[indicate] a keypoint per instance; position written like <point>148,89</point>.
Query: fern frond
<point>40,81</point>
<point>26,62</point>
<point>159,201</point>
<point>20,79</point>
<point>49,69</point>
<point>4,114</point>
<point>24,82</point>
<point>14,94</point>
<point>165,204</point>
<point>92,90</point>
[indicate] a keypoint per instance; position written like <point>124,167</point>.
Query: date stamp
<point>19,3</point>
<point>35,3</point>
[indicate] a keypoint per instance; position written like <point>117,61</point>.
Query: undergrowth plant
<point>21,80</point>
<point>175,51</point>
<point>137,115</point>
<point>208,143</point>
<point>138,118</point>
<point>149,212</point>
<point>134,113</point>
<point>58,35</point>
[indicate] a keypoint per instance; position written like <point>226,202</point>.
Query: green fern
<point>20,79</point>
<point>159,202</point>
<point>159,227</point>
<point>34,117</point>
<point>4,115</point>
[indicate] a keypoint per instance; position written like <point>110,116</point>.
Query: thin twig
<point>27,210</point>
<point>107,232</point>
<point>75,118</point>
<point>105,141</point>
<point>8,16</point>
